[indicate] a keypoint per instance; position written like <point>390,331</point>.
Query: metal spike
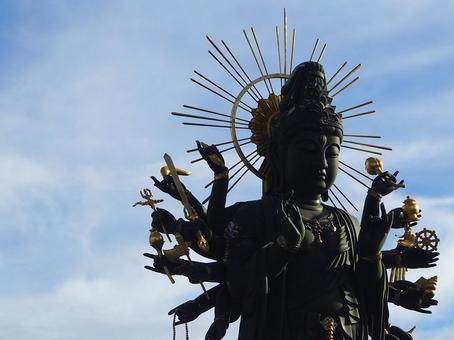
<point>293,51</point>
<point>361,136</point>
<point>285,42</point>
<point>257,93</point>
<point>338,200</point>
<point>321,53</point>
<point>363,150</point>
<point>336,73</point>
<point>356,179</point>
<point>279,52</point>
<point>261,57</point>
<point>357,171</point>
<point>213,112</point>
<point>351,203</point>
<point>220,88</point>
<point>356,107</point>
<point>218,94</point>
<point>345,87</point>
<point>230,64</point>
<point>179,114</point>
<point>256,60</point>
<point>370,145</point>
<point>313,50</point>
<point>216,126</point>
<point>244,173</point>
<point>359,114</point>
<point>356,68</point>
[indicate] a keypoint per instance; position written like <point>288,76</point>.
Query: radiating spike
<point>345,87</point>
<point>256,60</point>
<point>216,126</point>
<point>332,202</point>
<point>338,200</point>
<point>225,68</point>
<point>356,107</point>
<point>179,114</point>
<point>363,150</point>
<point>369,145</point>
<point>261,57</point>
<point>356,68</point>
<point>257,93</point>
<point>285,41</point>
<point>243,166</point>
<point>242,175</point>
<point>279,52</point>
<point>359,114</point>
<point>351,203</point>
<point>228,62</point>
<point>221,151</point>
<point>357,171</point>
<point>313,50</point>
<point>321,53</point>
<point>356,179</point>
<point>361,136</point>
<point>218,94</point>
<point>220,144</point>
<point>293,51</point>
<point>213,112</point>
<point>220,88</point>
<point>336,73</point>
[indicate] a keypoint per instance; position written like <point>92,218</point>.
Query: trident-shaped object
<point>150,201</point>
<point>188,211</point>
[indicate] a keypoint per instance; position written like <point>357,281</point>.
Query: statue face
<point>311,163</point>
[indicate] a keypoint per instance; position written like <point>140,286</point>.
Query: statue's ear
<point>325,196</point>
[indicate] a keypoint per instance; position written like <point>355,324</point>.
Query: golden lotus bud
<point>374,166</point>
<point>155,239</point>
<point>411,209</point>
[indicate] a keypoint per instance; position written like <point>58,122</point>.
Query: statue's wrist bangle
<point>372,258</point>
<point>374,194</point>
<point>221,175</point>
<point>398,260</point>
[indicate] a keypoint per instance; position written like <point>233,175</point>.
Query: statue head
<point>306,135</point>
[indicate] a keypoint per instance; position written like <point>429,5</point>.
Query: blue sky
<point>86,88</point>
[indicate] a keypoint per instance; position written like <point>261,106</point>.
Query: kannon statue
<point>289,265</point>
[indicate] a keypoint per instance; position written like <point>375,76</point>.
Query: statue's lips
<point>320,175</point>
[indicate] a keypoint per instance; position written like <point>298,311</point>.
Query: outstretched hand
<point>413,297</point>
<point>386,183</point>
<point>195,272</point>
<point>186,312</point>
<point>417,257</point>
<point>398,220</point>
<point>212,156</point>
<point>168,186</point>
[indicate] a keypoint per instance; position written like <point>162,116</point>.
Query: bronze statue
<point>291,266</point>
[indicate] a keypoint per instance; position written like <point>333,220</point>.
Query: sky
<point>86,88</point>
